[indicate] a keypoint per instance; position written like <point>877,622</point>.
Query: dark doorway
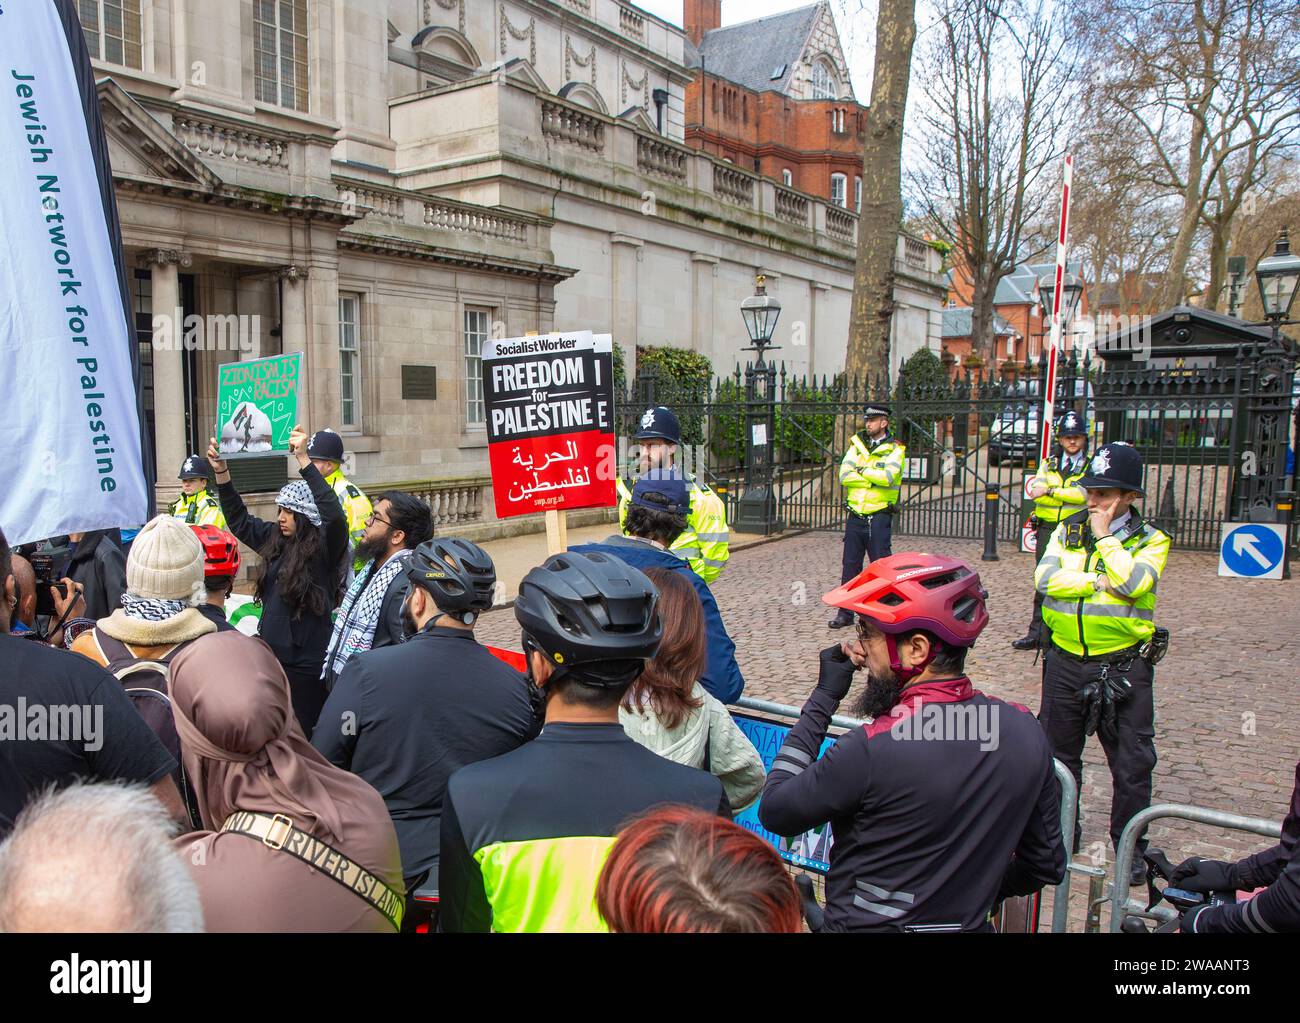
<point>143,312</point>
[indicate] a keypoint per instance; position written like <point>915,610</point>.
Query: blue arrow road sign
<point>1251,549</point>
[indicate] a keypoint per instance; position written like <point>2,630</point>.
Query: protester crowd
<point>366,764</point>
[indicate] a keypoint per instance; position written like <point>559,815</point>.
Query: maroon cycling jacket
<point>939,809</point>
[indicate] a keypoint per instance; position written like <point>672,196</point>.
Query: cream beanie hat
<point>166,562</point>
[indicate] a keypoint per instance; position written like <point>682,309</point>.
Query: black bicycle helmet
<point>589,610</point>
<point>457,574</point>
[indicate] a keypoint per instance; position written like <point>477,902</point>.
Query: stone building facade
<point>382,186</point>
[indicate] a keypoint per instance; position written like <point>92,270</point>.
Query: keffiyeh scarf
<point>354,628</point>
<point>296,496</point>
<point>151,610</point>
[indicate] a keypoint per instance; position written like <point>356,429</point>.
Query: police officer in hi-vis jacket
<point>704,544</point>
<point>871,474</point>
<point>1057,495</point>
<point>197,505</point>
<point>1098,577</point>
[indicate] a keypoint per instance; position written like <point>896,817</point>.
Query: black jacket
<point>298,643</point>
<point>100,566</point>
<point>415,713</point>
<point>217,616</point>
<point>929,833</point>
<point>388,630</point>
<point>1277,908</point>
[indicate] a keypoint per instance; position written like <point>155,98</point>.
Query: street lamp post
<point>756,511</point>
<point>1071,292</point>
<point>1277,276</point>
<point>1273,366</point>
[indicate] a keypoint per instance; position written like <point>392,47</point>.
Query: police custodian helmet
<point>195,467</point>
<point>659,423</point>
<point>1071,425</point>
<point>1116,464</point>
<point>325,444</point>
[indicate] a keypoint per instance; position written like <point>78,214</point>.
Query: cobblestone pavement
<point>1227,731</point>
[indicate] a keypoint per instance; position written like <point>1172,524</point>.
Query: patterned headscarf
<point>296,496</point>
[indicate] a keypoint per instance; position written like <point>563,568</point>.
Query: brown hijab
<point>244,750</point>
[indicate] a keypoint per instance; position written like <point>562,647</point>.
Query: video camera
<point>49,561</point>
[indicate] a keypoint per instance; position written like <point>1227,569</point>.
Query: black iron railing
<point>1214,440</point>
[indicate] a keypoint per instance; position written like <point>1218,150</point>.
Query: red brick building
<point>773,96</point>
<point>1020,329</point>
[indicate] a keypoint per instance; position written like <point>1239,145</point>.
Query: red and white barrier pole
<point>1062,247</point>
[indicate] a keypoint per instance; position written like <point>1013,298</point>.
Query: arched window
<point>824,83</point>
<point>787,178</point>
<point>857,194</point>
<point>839,190</point>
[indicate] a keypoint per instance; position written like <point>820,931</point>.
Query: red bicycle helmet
<point>220,551</point>
<point>905,592</point>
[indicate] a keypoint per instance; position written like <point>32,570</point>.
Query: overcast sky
<point>856,20</point>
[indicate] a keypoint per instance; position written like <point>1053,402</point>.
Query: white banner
<point>69,434</point>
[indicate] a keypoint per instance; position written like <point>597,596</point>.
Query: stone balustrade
<point>733,185</point>
<point>915,252</point>
<point>226,142</point>
<point>792,206</point>
<point>566,123</point>
<point>479,220</point>
<point>454,502</point>
<point>841,224</point>
<point>631,23</point>
<point>540,127</point>
<point>660,158</point>
<point>381,204</point>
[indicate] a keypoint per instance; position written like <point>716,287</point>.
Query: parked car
<point>1013,437</point>
<point>1014,434</point>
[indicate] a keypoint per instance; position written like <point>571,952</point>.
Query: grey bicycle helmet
<point>591,612</point>
<point>457,574</point>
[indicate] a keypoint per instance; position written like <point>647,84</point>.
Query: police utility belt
<point>889,509</point>
<point>1152,651</point>
<point>276,831</point>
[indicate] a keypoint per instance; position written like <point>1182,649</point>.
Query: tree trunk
<point>882,198</point>
<point>1174,289</point>
<point>981,321</point>
<point>1214,295</point>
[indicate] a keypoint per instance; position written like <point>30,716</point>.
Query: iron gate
<point>1214,440</point>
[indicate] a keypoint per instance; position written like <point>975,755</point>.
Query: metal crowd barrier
<point>1069,800</point>
<point>1121,904</point>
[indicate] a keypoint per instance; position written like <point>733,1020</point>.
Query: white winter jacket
<point>732,757</point>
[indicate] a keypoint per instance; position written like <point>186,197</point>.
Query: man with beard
<point>371,613</point>
<point>406,716</point>
<point>946,802</point>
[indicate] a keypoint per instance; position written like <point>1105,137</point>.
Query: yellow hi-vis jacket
<point>871,475</point>
<point>1064,496</point>
<point>356,506</point>
<point>201,509</point>
<point>703,544</point>
<point>1088,621</point>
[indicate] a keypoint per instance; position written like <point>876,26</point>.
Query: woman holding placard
<point>299,553</point>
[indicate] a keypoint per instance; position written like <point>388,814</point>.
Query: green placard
<point>257,405</point>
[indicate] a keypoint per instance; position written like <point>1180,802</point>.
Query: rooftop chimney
<point>700,16</point>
